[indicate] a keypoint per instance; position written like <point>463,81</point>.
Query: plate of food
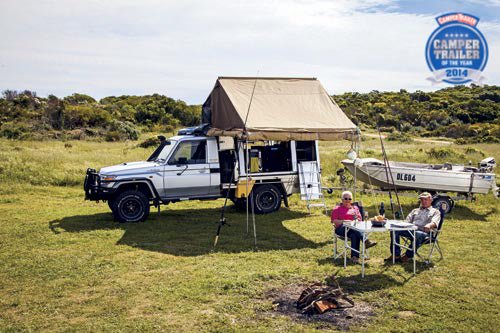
<point>378,221</point>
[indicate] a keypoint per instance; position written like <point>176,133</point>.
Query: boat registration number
<point>405,177</point>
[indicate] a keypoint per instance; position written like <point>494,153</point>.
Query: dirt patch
<point>284,301</point>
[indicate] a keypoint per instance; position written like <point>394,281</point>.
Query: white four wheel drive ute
<point>192,166</point>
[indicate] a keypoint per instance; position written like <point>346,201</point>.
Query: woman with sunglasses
<point>347,211</point>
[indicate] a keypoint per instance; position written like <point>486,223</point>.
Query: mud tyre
<point>111,202</point>
<point>131,206</point>
<point>266,198</point>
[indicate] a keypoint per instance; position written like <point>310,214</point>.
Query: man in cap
<point>425,218</point>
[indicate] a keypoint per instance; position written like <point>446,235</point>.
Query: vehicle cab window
<point>190,152</point>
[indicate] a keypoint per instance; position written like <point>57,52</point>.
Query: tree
<point>55,112</point>
<point>77,99</point>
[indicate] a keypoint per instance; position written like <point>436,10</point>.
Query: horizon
<point>177,99</point>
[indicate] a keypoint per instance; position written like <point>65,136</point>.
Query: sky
<point>179,48</point>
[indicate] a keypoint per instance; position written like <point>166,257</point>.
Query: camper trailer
<point>256,134</point>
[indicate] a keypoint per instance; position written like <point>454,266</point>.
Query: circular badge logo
<point>456,51</point>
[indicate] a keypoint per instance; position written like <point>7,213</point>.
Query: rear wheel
<point>131,206</point>
<point>267,199</point>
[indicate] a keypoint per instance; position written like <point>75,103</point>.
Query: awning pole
<point>249,197</point>
<point>249,200</point>
<point>353,147</point>
<point>246,185</point>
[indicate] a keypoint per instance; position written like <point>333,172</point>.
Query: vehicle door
<point>187,173</point>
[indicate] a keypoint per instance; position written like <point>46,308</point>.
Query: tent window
<point>306,151</point>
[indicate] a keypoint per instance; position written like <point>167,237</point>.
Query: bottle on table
<point>382,209</point>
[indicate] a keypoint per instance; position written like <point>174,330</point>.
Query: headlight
<point>107,178</point>
<point>107,184</point>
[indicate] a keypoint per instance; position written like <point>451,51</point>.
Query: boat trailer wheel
<point>445,203</point>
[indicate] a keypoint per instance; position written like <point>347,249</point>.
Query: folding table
<point>365,227</point>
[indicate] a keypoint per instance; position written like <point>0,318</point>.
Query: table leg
<point>345,246</point>
<point>414,252</point>
<point>363,256</point>
<point>393,247</point>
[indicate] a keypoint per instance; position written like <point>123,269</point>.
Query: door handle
<point>202,170</point>
<point>155,170</point>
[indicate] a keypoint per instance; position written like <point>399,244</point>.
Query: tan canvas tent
<point>274,109</point>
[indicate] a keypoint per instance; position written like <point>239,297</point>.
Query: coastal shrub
<point>150,142</point>
<point>122,130</point>
<point>12,130</point>
<point>473,151</point>
<point>450,154</point>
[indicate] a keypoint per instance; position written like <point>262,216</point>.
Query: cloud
<point>179,48</point>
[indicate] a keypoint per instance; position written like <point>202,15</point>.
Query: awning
<point>275,109</point>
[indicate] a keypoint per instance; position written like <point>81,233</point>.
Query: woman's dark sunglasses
<point>347,198</point>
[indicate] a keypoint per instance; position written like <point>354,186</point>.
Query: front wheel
<point>111,203</point>
<point>131,206</point>
<point>267,199</point>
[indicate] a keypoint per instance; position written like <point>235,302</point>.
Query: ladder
<point>310,185</point>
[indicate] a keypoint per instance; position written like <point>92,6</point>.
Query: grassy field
<point>66,266</point>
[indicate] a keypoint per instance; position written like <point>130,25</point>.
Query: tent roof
<point>275,109</point>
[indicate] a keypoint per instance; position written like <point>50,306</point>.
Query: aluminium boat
<point>426,177</point>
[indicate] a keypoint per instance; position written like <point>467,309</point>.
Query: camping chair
<point>336,237</point>
<point>433,239</point>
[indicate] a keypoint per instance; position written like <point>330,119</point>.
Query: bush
<point>113,136</point>
<point>490,139</point>
<point>472,151</point>
<point>439,152</point>
<point>442,153</point>
<point>76,99</point>
<point>76,116</point>
<point>388,129</point>
<point>122,130</point>
<point>150,142</point>
<point>368,152</point>
<point>13,131</point>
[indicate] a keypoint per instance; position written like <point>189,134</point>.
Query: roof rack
<point>199,130</point>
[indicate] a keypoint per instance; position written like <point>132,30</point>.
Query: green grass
<point>66,266</point>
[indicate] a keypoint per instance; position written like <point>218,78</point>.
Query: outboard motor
<point>487,165</point>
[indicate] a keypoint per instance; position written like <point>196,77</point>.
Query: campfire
<point>318,298</point>
<point>324,303</point>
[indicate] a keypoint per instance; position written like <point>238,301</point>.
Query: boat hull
<point>420,178</point>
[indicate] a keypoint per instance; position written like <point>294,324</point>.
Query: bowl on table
<point>378,221</point>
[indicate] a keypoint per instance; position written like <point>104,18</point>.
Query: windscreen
<point>161,153</point>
